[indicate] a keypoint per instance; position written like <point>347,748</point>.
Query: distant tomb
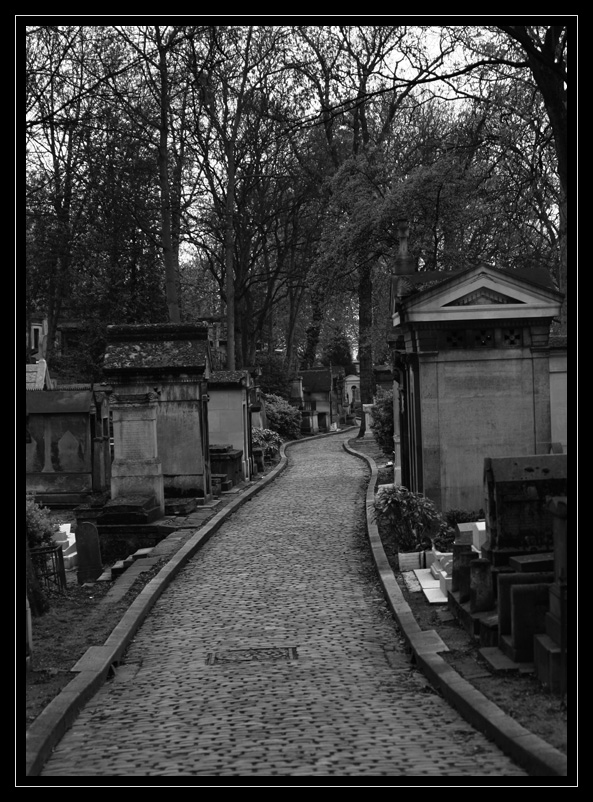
<point>68,458</point>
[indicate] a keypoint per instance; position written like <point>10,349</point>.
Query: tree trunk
<point>170,254</point>
<point>313,333</point>
<point>228,259</point>
<point>365,339</point>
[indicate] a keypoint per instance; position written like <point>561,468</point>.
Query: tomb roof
<point>57,401</point>
<point>421,280</point>
<point>157,331</point>
<point>320,379</point>
<point>228,376</point>
<point>156,354</point>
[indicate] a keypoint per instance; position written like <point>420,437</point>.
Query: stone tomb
<point>517,519</point>
<point>472,366</point>
<point>550,646</point>
<point>322,403</point>
<point>68,458</point>
<point>173,361</point>
<point>226,464</point>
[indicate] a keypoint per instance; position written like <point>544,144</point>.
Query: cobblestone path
<point>274,653</point>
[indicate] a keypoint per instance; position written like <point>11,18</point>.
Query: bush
<point>455,516</point>
<point>283,417</point>
<point>382,424</point>
<point>40,526</point>
<point>39,533</point>
<point>267,440</point>
<point>412,518</point>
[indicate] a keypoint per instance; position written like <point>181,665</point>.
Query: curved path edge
<point>531,752</point>
<point>98,662</point>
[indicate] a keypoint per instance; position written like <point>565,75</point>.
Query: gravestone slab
<point>90,565</point>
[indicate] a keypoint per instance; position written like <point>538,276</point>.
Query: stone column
<point>136,469</point>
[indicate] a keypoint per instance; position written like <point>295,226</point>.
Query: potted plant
<point>413,520</point>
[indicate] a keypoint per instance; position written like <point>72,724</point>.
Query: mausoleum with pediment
<point>471,354</point>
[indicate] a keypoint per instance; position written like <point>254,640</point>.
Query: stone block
<point>481,589</point>
<point>445,582</point>
<point>505,583</point>
<point>410,561</point>
<point>529,604</point>
<point>461,573</point>
<point>532,562</point>
<point>479,534</point>
<point>139,553</point>
<point>118,568</point>
<point>489,630</point>
<point>549,666</point>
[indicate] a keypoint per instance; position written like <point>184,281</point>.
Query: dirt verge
<point>520,695</point>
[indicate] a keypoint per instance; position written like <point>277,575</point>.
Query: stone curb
<point>99,661</point>
<point>529,750</point>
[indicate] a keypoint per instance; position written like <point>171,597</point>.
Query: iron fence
<point>48,563</point>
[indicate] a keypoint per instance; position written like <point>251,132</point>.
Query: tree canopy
<point>258,173</point>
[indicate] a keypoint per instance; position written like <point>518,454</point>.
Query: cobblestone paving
<point>274,653</point>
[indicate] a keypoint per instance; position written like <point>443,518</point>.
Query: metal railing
<point>48,563</point>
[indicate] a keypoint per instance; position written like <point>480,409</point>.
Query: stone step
<point>121,565</point>
<point>180,506</point>
<point>118,568</point>
<point>500,663</point>
<point>142,553</point>
<point>222,480</point>
<point>532,562</point>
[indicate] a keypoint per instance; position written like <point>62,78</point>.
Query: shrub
<point>283,417</point>
<point>39,533</point>
<point>268,440</point>
<point>40,526</point>
<point>413,519</point>
<point>455,516</point>
<point>382,424</point>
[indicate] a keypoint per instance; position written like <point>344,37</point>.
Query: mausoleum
<point>323,393</point>
<point>161,371</point>
<point>229,414</point>
<point>472,364</point>
<point>68,455</point>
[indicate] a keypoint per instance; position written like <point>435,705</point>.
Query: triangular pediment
<point>480,293</point>
<point>484,296</point>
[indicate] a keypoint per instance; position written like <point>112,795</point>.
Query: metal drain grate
<point>251,655</point>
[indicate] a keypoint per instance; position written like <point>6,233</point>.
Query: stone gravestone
<point>90,565</point>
